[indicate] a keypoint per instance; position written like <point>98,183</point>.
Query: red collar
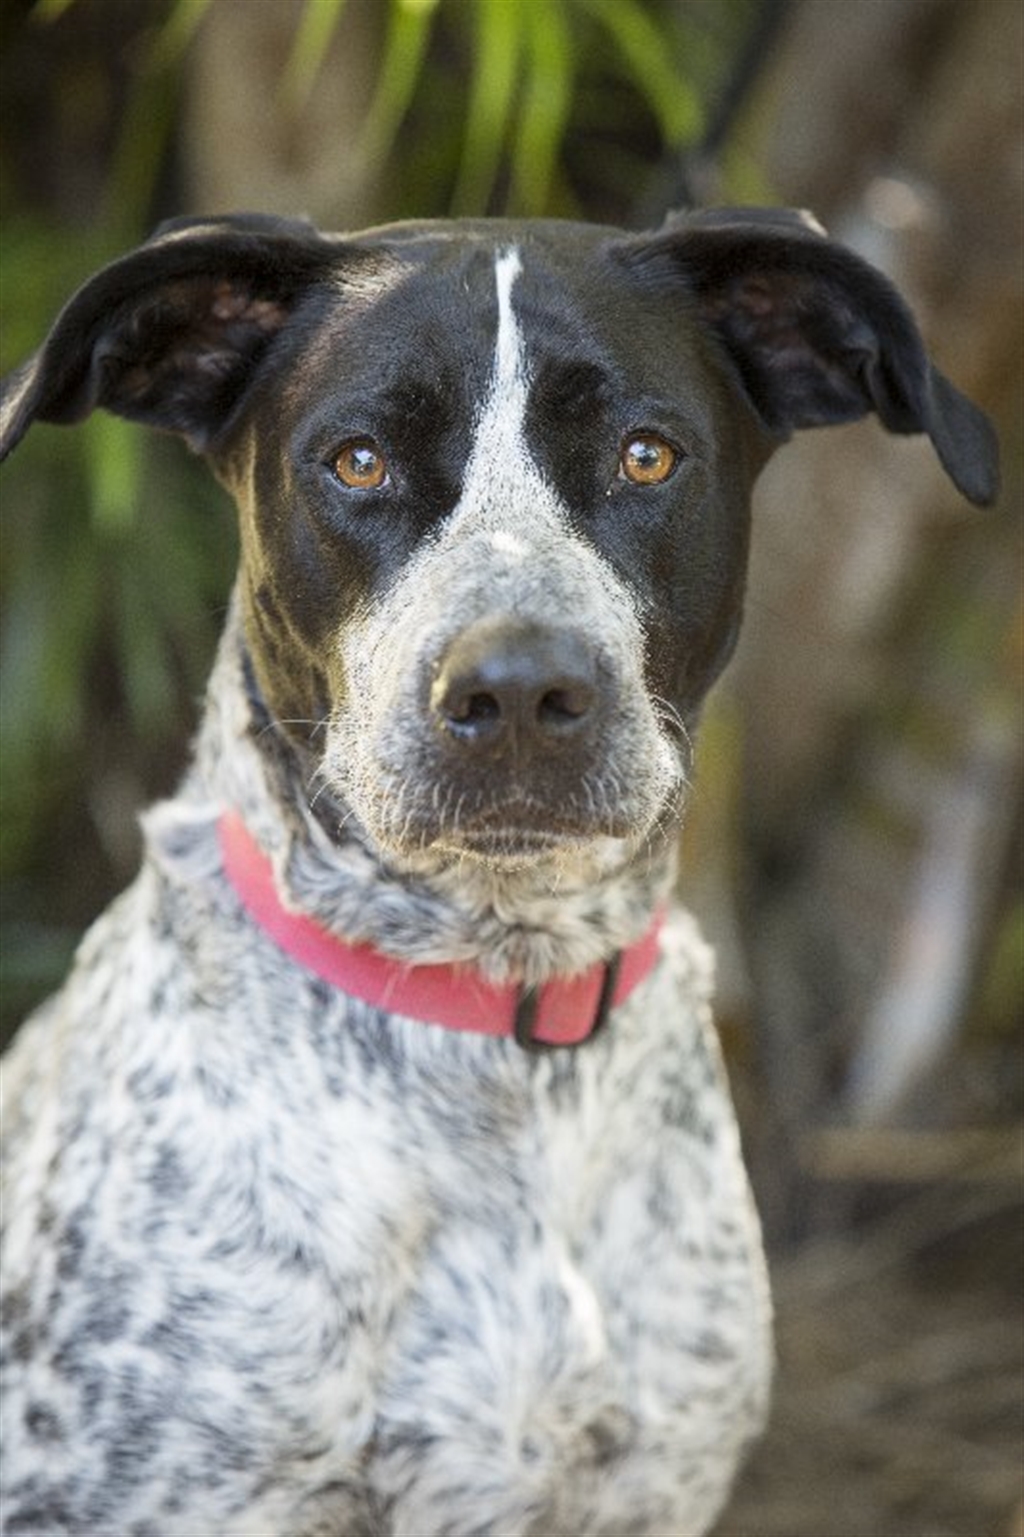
<point>563,1012</point>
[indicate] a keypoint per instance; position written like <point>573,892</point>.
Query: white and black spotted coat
<point>330,1264</point>
<point>277,1263</point>
<point>300,1267</point>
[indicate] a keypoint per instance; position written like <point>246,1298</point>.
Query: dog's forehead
<point>411,329</point>
<point>424,302</point>
<point>451,294</point>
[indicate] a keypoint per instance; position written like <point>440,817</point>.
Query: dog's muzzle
<point>522,734</point>
<point>520,711</point>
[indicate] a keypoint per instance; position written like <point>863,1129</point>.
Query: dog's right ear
<point>170,334</point>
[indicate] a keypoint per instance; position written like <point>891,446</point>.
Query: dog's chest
<point>589,1358</point>
<point>567,1329</point>
<point>367,1273</point>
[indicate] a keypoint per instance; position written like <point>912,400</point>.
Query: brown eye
<point>361,465</point>
<point>646,459</point>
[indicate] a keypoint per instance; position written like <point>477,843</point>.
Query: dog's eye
<point>361,465</point>
<point>646,459</point>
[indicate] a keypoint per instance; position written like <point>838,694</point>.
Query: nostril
<point>565,704</point>
<point>476,709</point>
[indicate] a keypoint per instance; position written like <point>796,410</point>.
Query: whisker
<point>278,723</point>
<point>669,716</point>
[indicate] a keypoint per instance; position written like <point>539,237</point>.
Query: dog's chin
<point>518,837</point>
<point>510,849</point>
<point>510,853</point>
<point>515,862</point>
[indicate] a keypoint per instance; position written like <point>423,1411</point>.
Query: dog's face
<point>494,512</point>
<point>493,482</point>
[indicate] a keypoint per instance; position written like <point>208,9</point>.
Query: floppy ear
<point>815,334</point>
<point>170,334</point>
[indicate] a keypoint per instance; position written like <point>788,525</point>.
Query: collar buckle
<point>528,1006</point>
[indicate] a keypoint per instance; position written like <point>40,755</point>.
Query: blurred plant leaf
<point>114,454</point>
<point>178,31</point>
<point>312,40</point>
<point>405,48</point>
<point>653,61</point>
<point>498,36</point>
<point>50,10</point>
<point>547,100</point>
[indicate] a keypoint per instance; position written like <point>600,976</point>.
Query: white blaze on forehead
<point>502,481</point>
<point>508,369</point>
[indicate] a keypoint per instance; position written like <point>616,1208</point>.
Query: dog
<point>375,1171</point>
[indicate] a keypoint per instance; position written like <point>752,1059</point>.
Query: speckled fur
<point>277,1263</point>
<point>280,1264</point>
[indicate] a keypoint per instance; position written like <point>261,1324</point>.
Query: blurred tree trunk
<point>248,143</point>
<point>878,677</point>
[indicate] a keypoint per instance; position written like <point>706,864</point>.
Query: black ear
<point>170,333</point>
<point>815,334</point>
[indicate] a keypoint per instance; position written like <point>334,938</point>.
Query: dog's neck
<point>524,924</point>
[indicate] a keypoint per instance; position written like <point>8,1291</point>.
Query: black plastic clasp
<point>529,1004</point>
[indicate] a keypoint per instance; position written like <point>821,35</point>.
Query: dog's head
<point>493,481</point>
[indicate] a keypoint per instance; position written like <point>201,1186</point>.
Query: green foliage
<point>522,88</point>
<point>108,616</point>
<point>400,73</point>
<point>654,66</point>
<point>312,40</point>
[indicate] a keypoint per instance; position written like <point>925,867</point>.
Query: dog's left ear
<point>172,333</point>
<point>815,334</point>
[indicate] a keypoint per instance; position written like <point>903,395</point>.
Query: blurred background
<point>854,842</point>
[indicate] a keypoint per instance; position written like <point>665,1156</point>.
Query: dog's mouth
<point>507,836</point>
<point>419,818</point>
<point>508,845</point>
<point>521,831</point>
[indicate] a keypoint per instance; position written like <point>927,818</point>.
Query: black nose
<point>511,686</point>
